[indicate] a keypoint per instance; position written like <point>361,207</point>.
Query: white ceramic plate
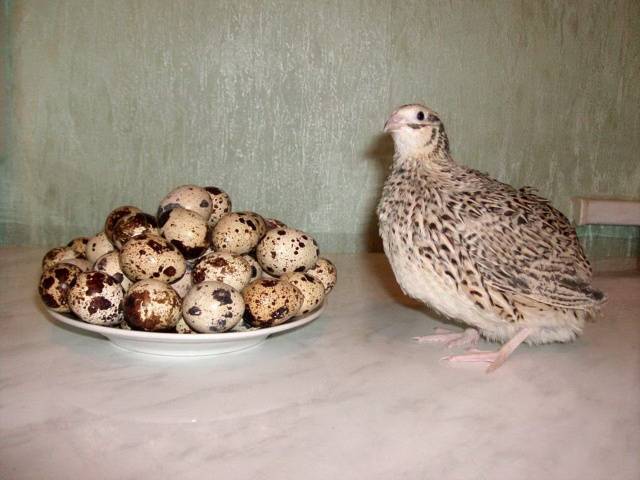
<point>186,345</point>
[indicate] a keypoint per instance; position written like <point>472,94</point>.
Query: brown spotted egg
<point>54,285</point>
<point>184,284</point>
<point>79,245</point>
<point>238,232</point>
<point>286,250</point>
<point>270,302</point>
<point>256,269</point>
<point>82,263</point>
<point>212,307</point>
<point>187,230</point>
<point>272,223</point>
<point>222,267</point>
<point>115,215</point>
<point>110,264</point>
<point>183,327</point>
<point>152,305</point>
<point>96,298</point>
<point>98,246</point>
<point>326,272</point>
<point>57,255</point>
<point>312,290</point>
<point>131,225</point>
<point>149,256</point>
<point>220,204</point>
<point>191,197</point>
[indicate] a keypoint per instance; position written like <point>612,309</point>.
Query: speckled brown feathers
<point>477,249</point>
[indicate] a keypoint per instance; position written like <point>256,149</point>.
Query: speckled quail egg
<point>312,290</point>
<point>184,283</point>
<point>82,263</point>
<point>152,305</point>
<point>187,230</point>
<point>57,255</point>
<point>98,246</point>
<point>132,225</point>
<point>55,283</point>
<point>96,298</point>
<point>238,232</point>
<point>212,307</point>
<point>256,269</point>
<point>149,256</point>
<point>220,204</point>
<point>270,302</point>
<point>183,327</point>
<point>285,250</point>
<point>326,272</point>
<point>222,267</point>
<point>191,197</point>
<point>272,223</point>
<point>110,264</point>
<point>79,245</point>
<point>115,215</point>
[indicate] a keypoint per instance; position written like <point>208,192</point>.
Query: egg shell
<point>212,307</point>
<point>82,263</point>
<point>57,255</point>
<point>184,283</point>
<point>97,246</point>
<point>237,232</point>
<point>54,285</point>
<point>149,256</point>
<point>286,250</point>
<point>222,267</point>
<point>272,223</point>
<point>191,197</point>
<point>152,305</point>
<point>256,269</point>
<point>132,225</point>
<point>79,245</point>
<point>312,290</point>
<point>187,230</point>
<point>96,298</point>
<point>183,327</point>
<point>110,264</point>
<point>270,302</point>
<point>220,204</point>
<point>115,215</point>
<point>326,272</point>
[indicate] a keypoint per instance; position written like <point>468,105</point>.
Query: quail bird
<point>497,258</point>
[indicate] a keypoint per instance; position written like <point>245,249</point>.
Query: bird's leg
<point>494,358</point>
<point>451,339</point>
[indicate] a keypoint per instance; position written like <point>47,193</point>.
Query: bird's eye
<point>420,116</point>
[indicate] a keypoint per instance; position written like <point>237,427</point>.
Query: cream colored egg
<point>115,215</point>
<point>79,245</point>
<point>187,230</point>
<point>96,298</point>
<point>152,305</point>
<point>110,264</point>
<point>220,204</point>
<point>183,327</point>
<point>98,246</point>
<point>212,307</point>
<point>312,290</point>
<point>191,197</point>
<point>132,225</point>
<point>326,272</point>
<point>270,302</point>
<point>256,269</point>
<point>286,250</point>
<point>150,256</point>
<point>222,267</point>
<point>184,284</point>
<point>57,255</point>
<point>237,232</point>
<point>82,263</point>
<point>54,285</point>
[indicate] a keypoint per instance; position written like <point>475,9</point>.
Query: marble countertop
<point>349,396</point>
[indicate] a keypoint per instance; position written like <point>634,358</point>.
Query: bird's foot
<point>468,338</point>
<point>495,359</point>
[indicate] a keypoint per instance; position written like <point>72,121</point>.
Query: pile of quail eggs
<point>196,267</point>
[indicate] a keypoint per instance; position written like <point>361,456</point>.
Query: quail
<point>501,260</point>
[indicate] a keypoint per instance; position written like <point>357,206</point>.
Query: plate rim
<point>139,335</point>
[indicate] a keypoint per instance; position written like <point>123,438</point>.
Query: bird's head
<point>417,129</point>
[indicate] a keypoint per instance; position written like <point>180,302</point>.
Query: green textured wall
<point>281,103</point>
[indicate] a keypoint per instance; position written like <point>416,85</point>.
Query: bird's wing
<point>522,245</point>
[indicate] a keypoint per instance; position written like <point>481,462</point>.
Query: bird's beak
<point>393,123</point>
